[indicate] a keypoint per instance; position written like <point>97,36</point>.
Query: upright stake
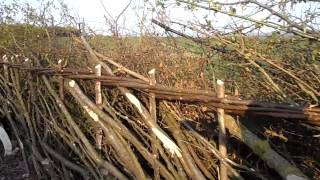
<point>222,131</point>
<point>61,88</point>
<point>5,67</point>
<point>152,100</point>
<point>236,94</point>
<point>153,113</point>
<point>99,104</point>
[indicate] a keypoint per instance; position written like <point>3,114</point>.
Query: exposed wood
<point>263,150</point>
<point>153,113</point>
<point>6,142</point>
<point>232,105</point>
<point>98,132</point>
<point>5,66</point>
<point>84,101</point>
<point>133,133</point>
<point>144,113</point>
<point>231,172</point>
<point>61,90</point>
<point>222,131</point>
<point>186,160</point>
<point>132,73</point>
<point>104,164</point>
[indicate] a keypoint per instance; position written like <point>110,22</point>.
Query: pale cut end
<point>45,162</point>
<point>220,82</point>
<point>4,138</point>
<point>11,58</point>
<point>294,177</point>
<point>72,83</point>
<point>167,142</point>
<point>26,59</point>
<point>152,71</point>
<point>134,101</point>
<point>60,61</point>
<point>98,66</point>
<point>4,58</point>
<point>92,114</point>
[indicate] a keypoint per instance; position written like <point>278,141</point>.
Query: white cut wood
<point>5,67</point>
<point>93,115</point>
<point>61,81</point>
<point>133,100</point>
<point>5,141</point>
<point>222,132</point>
<point>294,177</point>
<point>167,143</point>
<point>99,104</point>
<point>98,85</point>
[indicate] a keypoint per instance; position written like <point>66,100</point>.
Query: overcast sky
<point>92,13</point>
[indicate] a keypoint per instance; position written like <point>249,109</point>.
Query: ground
<point>12,168</point>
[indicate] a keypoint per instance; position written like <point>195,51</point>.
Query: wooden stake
<point>99,104</point>
<point>236,94</point>
<point>153,113</point>
<point>152,95</point>
<point>61,88</point>
<point>5,67</point>
<point>222,131</point>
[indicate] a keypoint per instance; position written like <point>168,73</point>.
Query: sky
<point>92,13</point>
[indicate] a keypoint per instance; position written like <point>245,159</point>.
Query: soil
<point>12,168</point>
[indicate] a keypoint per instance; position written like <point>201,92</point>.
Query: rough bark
<point>262,148</point>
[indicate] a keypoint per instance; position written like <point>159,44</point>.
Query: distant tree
<point>113,22</point>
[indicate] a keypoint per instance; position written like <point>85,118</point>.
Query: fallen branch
<point>262,148</point>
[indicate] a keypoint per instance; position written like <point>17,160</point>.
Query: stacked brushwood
<point>91,124</point>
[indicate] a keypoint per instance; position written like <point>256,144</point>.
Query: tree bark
<point>262,148</point>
